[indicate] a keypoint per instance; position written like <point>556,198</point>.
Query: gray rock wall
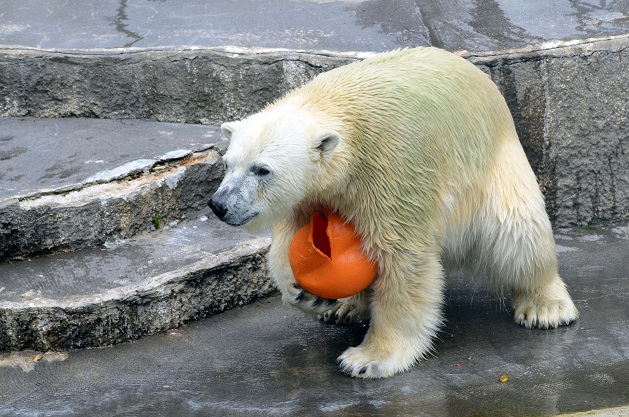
<point>568,101</point>
<point>190,87</point>
<point>570,108</point>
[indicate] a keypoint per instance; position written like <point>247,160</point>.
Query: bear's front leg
<point>282,274</point>
<point>405,316</point>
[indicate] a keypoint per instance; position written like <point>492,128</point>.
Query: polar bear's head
<point>275,159</point>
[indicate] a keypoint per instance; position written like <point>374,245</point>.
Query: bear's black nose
<point>218,207</point>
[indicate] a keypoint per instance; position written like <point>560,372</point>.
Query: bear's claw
<point>547,308</point>
<point>307,302</point>
<point>357,370</point>
<point>346,311</point>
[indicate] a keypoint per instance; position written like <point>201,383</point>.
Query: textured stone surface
<point>74,183</point>
<point>571,111</point>
<point>130,288</point>
<point>341,25</point>
<point>568,100</point>
<point>173,86</point>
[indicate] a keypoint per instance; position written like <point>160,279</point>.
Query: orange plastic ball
<point>327,258</point>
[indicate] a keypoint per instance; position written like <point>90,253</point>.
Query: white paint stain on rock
<point>125,170</point>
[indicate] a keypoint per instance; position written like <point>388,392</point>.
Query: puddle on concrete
<point>591,238</point>
<point>621,232</point>
<point>561,249</point>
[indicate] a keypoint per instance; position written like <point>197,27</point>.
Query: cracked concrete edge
<point>552,49</point>
<point>179,157</point>
<point>605,412</point>
<point>232,278</point>
<point>227,50</point>
<point>116,207</point>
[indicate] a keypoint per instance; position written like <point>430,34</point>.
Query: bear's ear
<point>326,143</point>
<point>229,128</point>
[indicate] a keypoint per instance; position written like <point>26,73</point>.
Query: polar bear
<point>418,150</point>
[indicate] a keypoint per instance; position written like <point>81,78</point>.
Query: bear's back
<point>424,90</point>
<point>417,127</point>
<point>418,107</point>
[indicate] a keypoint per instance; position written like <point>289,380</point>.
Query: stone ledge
<point>148,284</point>
<point>97,180</point>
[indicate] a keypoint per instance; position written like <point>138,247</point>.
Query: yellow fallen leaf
<point>38,357</point>
<point>504,378</point>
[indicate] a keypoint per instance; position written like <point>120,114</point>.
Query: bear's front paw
<point>309,303</point>
<point>362,362</point>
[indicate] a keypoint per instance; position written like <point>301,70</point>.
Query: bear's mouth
<point>242,222</point>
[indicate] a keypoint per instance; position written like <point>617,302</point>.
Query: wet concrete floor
<point>267,359</point>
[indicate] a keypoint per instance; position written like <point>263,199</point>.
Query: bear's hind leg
<point>518,246</point>
<point>405,316</point>
<point>523,259</point>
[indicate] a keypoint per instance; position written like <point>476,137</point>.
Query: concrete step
<point>130,288</point>
<point>268,359</point>
<point>75,183</point>
<point>101,236</point>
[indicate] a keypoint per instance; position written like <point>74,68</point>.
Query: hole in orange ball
<point>320,237</point>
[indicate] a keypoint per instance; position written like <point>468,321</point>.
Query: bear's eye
<point>260,170</point>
